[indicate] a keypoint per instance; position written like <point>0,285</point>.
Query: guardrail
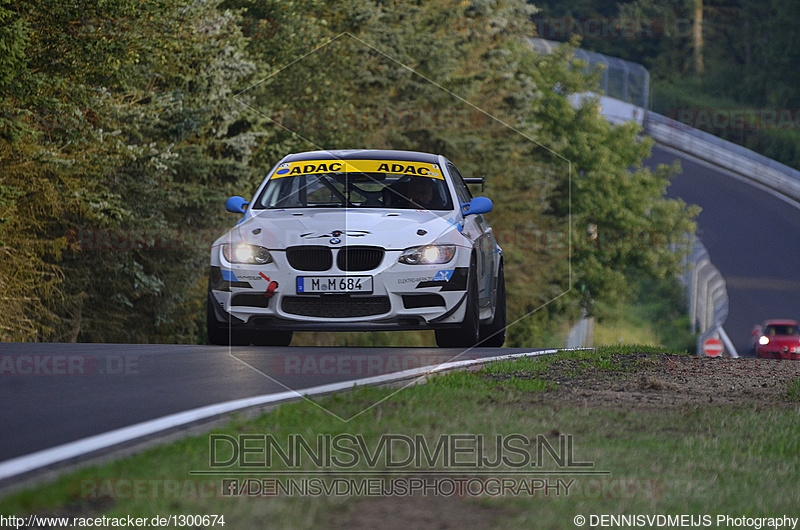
<point>581,335</point>
<point>707,296</point>
<point>733,157</point>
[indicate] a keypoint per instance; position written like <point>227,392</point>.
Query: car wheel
<point>469,333</point>
<point>220,333</point>
<point>494,335</point>
<point>272,338</point>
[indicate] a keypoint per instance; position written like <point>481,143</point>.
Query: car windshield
<point>781,330</point>
<point>417,186</point>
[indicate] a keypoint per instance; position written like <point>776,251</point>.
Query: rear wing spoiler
<point>476,180</point>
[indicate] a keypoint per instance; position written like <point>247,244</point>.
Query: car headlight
<point>428,255</point>
<point>763,340</point>
<point>241,253</point>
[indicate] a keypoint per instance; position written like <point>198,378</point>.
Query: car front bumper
<point>403,296</point>
<point>778,353</point>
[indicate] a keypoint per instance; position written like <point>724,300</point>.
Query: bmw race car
<point>359,240</point>
<point>777,339</point>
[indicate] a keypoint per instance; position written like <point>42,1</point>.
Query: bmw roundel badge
<point>335,240</point>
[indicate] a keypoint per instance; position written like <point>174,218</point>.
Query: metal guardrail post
<point>707,298</point>
<point>581,335</point>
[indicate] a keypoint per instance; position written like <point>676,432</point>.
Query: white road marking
<point>61,453</point>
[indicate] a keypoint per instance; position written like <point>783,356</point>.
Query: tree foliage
<point>749,41</point>
<point>126,123</point>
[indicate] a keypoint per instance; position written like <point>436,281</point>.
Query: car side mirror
<point>236,204</point>
<point>478,205</point>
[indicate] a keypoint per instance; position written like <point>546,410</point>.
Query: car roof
<point>362,154</point>
<point>779,322</point>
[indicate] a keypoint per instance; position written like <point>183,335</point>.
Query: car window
<point>419,187</point>
<point>462,191</point>
<point>773,330</point>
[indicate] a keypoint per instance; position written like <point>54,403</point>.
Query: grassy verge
<point>625,327</point>
<point>688,460</point>
<point>657,316</point>
<point>793,391</point>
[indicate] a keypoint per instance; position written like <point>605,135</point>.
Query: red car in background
<point>777,339</point>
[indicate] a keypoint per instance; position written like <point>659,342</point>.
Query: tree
<point>128,103</point>
<point>697,38</point>
<point>123,137</point>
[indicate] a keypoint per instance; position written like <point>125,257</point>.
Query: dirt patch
<point>662,380</point>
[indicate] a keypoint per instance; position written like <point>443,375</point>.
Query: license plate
<point>334,284</point>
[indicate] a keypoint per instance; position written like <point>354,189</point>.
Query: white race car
<point>358,240</point>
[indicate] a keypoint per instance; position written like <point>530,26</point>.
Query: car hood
<point>390,229</point>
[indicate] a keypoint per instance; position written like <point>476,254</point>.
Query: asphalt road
<point>57,393</point>
<point>752,237</point>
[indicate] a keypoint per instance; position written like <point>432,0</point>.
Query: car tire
<point>220,333</point>
<point>468,334</point>
<point>272,338</point>
<point>494,335</point>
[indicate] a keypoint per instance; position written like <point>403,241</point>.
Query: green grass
<point>655,317</point>
<point>793,391</point>
<point>625,332</point>
<point>690,460</point>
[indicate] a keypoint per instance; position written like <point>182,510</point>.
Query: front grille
<point>250,300</point>
<point>358,259</point>
<point>336,306</point>
<point>310,258</point>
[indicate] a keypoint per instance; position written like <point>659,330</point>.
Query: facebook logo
<point>230,487</point>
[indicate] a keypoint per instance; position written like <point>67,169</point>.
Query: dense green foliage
<point>747,53</point>
<point>125,123</point>
<point>747,45</point>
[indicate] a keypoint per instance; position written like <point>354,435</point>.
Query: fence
<point>622,80</point>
